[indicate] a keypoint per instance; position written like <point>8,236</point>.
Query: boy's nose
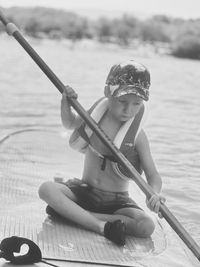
<point>129,109</point>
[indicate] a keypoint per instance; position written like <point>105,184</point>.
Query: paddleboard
<point>31,156</point>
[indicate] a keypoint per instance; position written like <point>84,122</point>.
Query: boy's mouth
<point>125,117</point>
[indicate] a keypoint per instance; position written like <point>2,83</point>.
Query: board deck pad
<point>29,158</point>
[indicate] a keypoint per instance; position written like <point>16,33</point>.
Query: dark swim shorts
<point>99,201</point>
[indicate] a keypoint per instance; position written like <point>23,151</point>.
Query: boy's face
<point>124,107</point>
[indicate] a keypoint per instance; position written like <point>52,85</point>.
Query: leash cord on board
<point>11,245</point>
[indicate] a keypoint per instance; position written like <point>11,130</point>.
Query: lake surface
<point>28,99</point>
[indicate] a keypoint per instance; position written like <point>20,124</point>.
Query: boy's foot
<point>115,231</point>
<point>50,211</point>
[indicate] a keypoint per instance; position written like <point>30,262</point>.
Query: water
<point>28,99</point>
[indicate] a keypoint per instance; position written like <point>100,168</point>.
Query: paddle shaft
<point>169,217</point>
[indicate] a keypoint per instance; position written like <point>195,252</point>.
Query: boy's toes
<point>115,231</point>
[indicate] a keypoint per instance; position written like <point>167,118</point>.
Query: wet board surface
<point>27,159</point>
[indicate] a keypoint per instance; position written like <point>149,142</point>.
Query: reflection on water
<point>29,99</point>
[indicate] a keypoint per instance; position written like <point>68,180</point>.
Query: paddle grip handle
<point>3,18</point>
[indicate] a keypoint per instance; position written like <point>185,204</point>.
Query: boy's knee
<point>44,189</point>
<point>146,227</point>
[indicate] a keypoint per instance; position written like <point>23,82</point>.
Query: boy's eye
<point>124,102</point>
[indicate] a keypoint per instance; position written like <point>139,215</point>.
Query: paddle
<point>169,217</point>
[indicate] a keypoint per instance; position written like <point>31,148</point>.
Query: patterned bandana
<point>129,78</point>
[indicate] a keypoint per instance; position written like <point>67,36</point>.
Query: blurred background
<point>171,27</point>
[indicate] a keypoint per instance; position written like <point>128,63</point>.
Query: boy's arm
<point>69,119</point>
<point>151,173</point>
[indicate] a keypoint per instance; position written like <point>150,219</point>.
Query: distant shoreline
<point>158,34</point>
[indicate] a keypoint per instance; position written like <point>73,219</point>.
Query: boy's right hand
<point>69,93</point>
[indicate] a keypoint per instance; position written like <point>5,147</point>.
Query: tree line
<point>182,37</point>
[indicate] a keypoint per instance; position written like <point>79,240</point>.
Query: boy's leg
<point>63,201</point>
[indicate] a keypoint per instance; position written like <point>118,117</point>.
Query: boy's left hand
<point>154,203</point>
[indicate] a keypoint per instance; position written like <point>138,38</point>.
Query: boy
<point>99,201</point>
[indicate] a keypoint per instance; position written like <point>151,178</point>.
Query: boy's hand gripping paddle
<point>147,190</point>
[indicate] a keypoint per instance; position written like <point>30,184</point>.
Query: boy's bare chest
<point>110,128</point>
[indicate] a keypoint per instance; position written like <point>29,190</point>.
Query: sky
<point>176,8</point>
